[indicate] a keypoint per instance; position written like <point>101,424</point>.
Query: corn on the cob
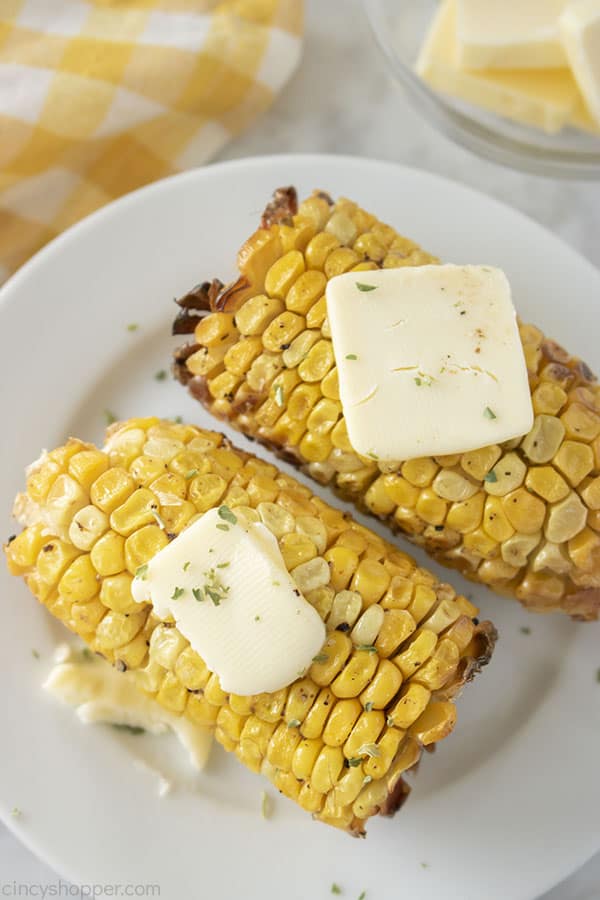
<point>399,643</point>
<point>523,518</point>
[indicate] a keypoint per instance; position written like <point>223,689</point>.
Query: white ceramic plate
<point>508,805</point>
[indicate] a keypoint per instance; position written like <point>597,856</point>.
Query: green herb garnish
<point>186,565</point>
<point>424,865</point>
<point>279,400</point>
<point>161,375</point>
<point>598,675</point>
<point>265,805</point>
<point>336,889</point>
<point>16,812</point>
<point>354,762</point>
<point>365,287</point>
<point>35,653</point>
<point>223,527</point>
<point>525,629</point>
<point>363,895</point>
<point>109,416</point>
<point>257,618</point>
<point>141,572</point>
<point>197,592</point>
<point>214,588</point>
<point>351,356</point>
<point>491,477</point>
<point>178,420</point>
<point>191,474</point>
<point>133,326</point>
<point>293,723</point>
<point>368,648</point>
<point>223,565</point>
<point>368,706</point>
<point>159,520</point>
<point>87,654</point>
<point>177,593</point>
<point>489,413</point>
<point>320,658</point>
<point>130,729</point>
<point>225,513</point>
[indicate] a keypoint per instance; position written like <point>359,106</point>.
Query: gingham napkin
<point>99,97</point>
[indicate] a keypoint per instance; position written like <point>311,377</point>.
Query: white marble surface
<point>343,101</point>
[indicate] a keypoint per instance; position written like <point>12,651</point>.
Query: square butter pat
<point>542,98</point>
<point>500,34</point>
<point>580,28</point>
<point>429,360</point>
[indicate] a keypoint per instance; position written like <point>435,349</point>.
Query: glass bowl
<point>399,27</point>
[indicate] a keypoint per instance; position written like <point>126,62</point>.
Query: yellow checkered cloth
<point>99,97</point>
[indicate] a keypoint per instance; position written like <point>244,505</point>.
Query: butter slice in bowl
<point>224,583</point>
<point>429,360</point>
<point>580,28</point>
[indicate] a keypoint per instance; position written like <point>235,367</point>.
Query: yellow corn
<point>339,730</point>
<point>475,511</point>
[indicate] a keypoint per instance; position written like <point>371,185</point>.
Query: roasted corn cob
<point>523,517</point>
<point>399,647</point>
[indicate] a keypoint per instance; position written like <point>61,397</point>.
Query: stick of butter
<point>506,34</point>
<point>545,99</point>
<point>580,28</point>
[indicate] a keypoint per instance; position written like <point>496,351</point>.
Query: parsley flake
<point>133,326</point>
<point>130,729</point>
<point>191,474</point>
<point>223,527</point>
<point>141,572</point>
<point>320,658</point>
<point>226,513</point>
<point>424,865</point>
<point>368,648</point>
<point>293,723</point>
<point>279,399</point>
<point>160,375</point>
<point>177,593</point>
<point>257,618</point>
<point>186,565</point>
<point>368,706</point>
<point>336,889</point>
<point>222,565</point>
<point>489,413</point>
<point>110,417</point>
<point>178,420</point>
<point>197,593</point>
<point>265,805</point>
<point>35,653</point>
<point>598,675</point>
<point>16,812</point>
<point>365,287</point>
<point>525,629</point>
<point>86,654</point>
<point>363,895</point>
<point>354,762</point>
<point>491,477</point>
<point>351,356</point>
<point>370,750</point>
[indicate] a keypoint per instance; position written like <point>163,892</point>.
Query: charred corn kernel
<point>438,670</point>
<point>430,507</point>
<point>552,556</point>
<point>580,423</point>
<point>435,723</point>
<point>565,519</point>
<point>525,512</point>
<point>575,460</point>
<point>508,475</point>
<point>477,463</point>
<point>545,589</point>
<point>371,580</point>
<point>108,554</point>
<point>399,593</point>
<point>318,362</point>
<point>365,732</point>
<point>516,550</point>
<point>495,520</point>
<point>88,465</point>
<point>384,686</point>
<point>117,629</point>
<point>590,494</point>
<point>79,582</point>
<point>418,652</point>
<point>547,483</point>
<point>88,524</point>
<point>115,593</point>
<point>224,385</point>
<point>165,646</point>
<point>311,575</point>
<point>283,273</point>
<point>345,610</point>
<point>341,722</point>
<point>294,735</point>
<point>465,516</point>
<point>331,659</point>
<point>451,485</point>
<point>368,626</point>
<point>111,489</point>
<point>356,674</point>
<point>424,599</point>
<point>296,549</point>
<point>191,670</point>
<point>412,702</point>
<point>282,331</point>
<point>387,747</point>
<point>256,314</point>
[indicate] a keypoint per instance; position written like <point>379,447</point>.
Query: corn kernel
<point>565,519</point>
<point>575,460</point>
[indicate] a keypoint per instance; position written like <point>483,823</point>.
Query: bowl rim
<point>474,136</point>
